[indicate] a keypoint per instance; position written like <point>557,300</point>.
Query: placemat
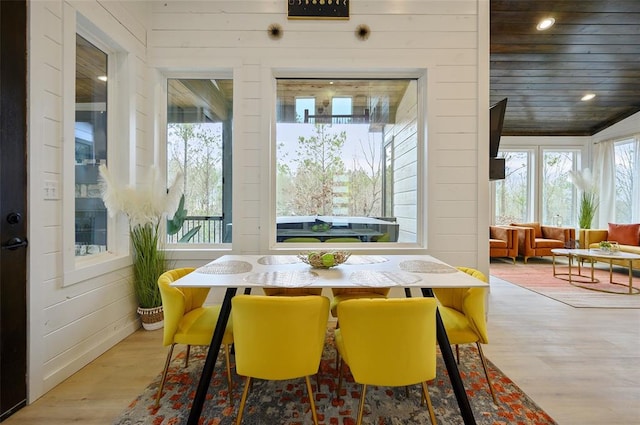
<point>226,267</point>
<point>382,278</point>
<point>366,259</point>
<point>293,279</point>
<point>278,259</point>
<point>424,266</point>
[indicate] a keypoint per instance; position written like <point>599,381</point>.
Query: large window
<point>199,138</point>
<point>536,187</point>
<point>336,177</point>
<point>513,195</point>
<point>626,180</point>
<point>559,196</point>
<point>90,147</point>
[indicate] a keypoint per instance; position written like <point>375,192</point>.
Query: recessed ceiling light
<point>102,78</point>
<point>588,96</point>
<point>545,24</point>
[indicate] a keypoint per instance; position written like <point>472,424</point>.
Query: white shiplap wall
<point>444,42</point>
<point>436,40</point>
<point>74,320</point>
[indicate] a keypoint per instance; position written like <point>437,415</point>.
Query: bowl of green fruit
<point>324,259</point>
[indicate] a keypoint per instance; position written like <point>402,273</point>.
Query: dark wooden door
<point>13,207</point>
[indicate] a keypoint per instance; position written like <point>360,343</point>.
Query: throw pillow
<point>536,227</point>
<point>624,234</point>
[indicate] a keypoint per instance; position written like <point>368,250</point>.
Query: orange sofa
<point>503,242</point>
<point>536,240</point>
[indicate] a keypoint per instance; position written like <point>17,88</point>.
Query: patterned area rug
<point>537,276</point>
<point>286,402</point>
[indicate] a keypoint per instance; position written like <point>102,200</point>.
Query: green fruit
<point>328,260</point>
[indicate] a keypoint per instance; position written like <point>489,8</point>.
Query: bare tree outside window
<point>559,195</point>
<point>331,141</point>
<point>624,159</point>
<point>199,144</point>
<point>512,193</point>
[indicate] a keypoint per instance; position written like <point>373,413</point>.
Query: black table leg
<point>212,355</point>
<point>452,367</point>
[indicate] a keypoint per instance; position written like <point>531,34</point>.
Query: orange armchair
<point>503,242</point>
<point>536,240</point>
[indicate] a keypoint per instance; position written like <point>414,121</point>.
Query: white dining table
<point>289,271</point>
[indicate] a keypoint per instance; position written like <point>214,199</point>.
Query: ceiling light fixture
<point>588,96</point>
<point>102,78</point>
<point>545,24</point>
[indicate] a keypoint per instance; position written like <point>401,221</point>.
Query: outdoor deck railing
<point>209,230</point>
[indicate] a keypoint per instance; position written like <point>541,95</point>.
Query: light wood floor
<point>581,365</point>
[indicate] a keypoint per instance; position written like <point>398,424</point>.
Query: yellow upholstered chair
<point>388,342</point>
<point>463,315</point>
<point>187,321</point>
<point>343,294</point>
<point>278,338</point>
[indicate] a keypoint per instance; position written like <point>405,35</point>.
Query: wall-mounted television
<point>496,119</point>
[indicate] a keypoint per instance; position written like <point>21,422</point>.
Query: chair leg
<point>425,392</point>
<point>186,358</point>
<point>243,400</point>
<point>486,372</point>
<point>337,353</point>
<point>340,365</point>
<point>164,375</point>
<point>314,414</point>
<point>361,406</point>
<point>227,350</point>
<point>457,354</point>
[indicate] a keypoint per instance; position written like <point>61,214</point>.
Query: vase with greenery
<point>584,182</point>
<point>145,209</point>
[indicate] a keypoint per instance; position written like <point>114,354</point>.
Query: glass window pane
<point>90,147</point>
<point>305,106</point>
<point>624,154</point>
<point>332,168</point>
<point>559,196</point>
<point>199,139</point>
<point>513,199</point>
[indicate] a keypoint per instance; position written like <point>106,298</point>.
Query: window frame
<point>618,144</point>
<point>576,166</point>
<point>78,269</point>
<point>530,183</point>
<point>535,163</point>
<point>269,238</point>
<point>190,251</point>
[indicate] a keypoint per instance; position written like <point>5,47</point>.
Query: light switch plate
<point>51,189</point>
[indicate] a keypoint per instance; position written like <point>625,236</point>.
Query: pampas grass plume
<point>141,206</point>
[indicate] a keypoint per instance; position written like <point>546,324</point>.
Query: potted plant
<point>145,208</point>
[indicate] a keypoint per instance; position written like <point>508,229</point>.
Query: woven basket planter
<point>152,318</point>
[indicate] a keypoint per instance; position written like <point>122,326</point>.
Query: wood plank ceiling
<point>594,47</point>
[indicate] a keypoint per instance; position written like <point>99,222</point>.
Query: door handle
<point>15,243</point>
